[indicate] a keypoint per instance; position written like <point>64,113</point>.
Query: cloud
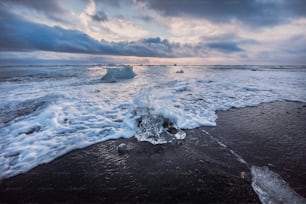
<point>51,9</point>
<point>226,47</point>
<point>21,35</point>
<point>114,3</point>
<point>99,16</point>
<point>251,12</point>
<point>227,42</point>
<point>46,6</point>
<point>45,58</point>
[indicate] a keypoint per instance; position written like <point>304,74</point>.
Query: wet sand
<point>194,170</point>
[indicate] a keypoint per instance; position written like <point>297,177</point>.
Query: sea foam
<point>44,119</point>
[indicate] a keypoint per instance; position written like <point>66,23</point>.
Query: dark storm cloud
<point>113,3</point>
<point>251,12</point>
<point>49,7</point>
<point>52,9</point>
<point>21,35</point>
<point>145,18</point>
<point>157,40</point>
<point>16,59</point>
<point>99,16</point>
<point>18,34</point>
<point>226,47</point>
<point>229,37</point>
<point>296,45</point>
<point>227,43</point>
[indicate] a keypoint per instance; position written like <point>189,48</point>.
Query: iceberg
<point>114,74</point>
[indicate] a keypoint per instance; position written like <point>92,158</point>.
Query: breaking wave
<point>43,119</point>
<point>15,111</point>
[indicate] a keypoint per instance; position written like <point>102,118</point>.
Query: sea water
<point>47,111</point>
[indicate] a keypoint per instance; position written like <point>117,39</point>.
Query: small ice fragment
<point>246,176</point>
<point>180,71</point>
<point>180,135</point>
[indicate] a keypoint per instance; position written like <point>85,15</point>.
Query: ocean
<point>47,111</point>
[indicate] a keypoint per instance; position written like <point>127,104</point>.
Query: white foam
<point>237,156</point>
<point>272,189</point>
<point>75,112</point>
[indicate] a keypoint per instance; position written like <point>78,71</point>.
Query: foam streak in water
<point>236,155</point>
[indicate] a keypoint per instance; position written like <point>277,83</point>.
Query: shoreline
<point>196,169</point>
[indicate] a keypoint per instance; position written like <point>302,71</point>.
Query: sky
<point>153,31</point>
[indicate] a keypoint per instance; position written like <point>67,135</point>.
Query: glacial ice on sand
<point>155,128</point>
<point>272,189</point>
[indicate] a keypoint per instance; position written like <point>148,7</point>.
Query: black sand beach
<point>194,170</point>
